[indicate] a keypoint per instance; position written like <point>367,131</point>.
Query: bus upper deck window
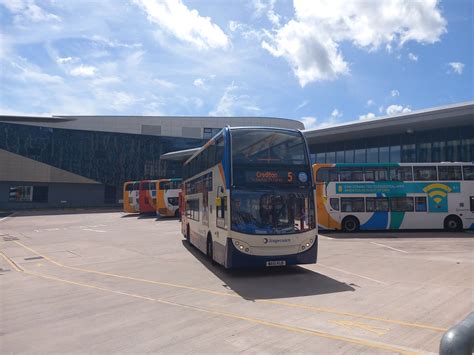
<point>449,173</point>
<point>425,173</point>
<point>401,173</point>
<point>351,174</point>
<point>327,174</point>
<point>376,174</point>
<point>468,172</point>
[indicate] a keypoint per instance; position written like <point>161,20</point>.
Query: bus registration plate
<point>276,263</point>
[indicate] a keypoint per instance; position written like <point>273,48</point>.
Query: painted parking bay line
<point>294,329</point>
<point>226,294</point>
<point>389,247</point>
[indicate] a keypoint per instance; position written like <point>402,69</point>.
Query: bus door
<point>221,209</point>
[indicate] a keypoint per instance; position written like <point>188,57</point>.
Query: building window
<point>320,158</point>
<point>330,157</point>
<point>349,156</point>
<point>208,133</point>
<point>408,153</point>
<point>340,157</point>
<point>28,194</point>
<point>372,155</point>
<point>384,154</point>
<point>395,154</point>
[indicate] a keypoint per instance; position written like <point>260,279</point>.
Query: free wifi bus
<point>395,196</point>
<point>130,197</point>
<point>248,195</point>
<point>147,196</point>
<point>167,197</point>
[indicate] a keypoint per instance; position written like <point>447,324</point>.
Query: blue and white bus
<point>395,196</point>
<point>249,199</point>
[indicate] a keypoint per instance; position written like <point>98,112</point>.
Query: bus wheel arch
<point>350,224</point>
<point>453,223</point>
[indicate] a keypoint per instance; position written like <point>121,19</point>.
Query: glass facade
<point>449,144</point>
<point>109,158</point>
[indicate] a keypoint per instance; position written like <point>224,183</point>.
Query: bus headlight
<point>306,244</point>
<point>241,246</point>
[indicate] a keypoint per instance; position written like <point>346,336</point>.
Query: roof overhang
<point>180,155</point>
<point>435,118</point>
<point>34,119</point>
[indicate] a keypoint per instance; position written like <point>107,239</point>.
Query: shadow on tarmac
<point>271,283</point>
<point>66,211</point>
<point>402,234</point>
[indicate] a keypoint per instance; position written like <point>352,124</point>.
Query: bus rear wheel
<point>188,234</point>
<point>210,249</point>
<point>453,224</point>
<point>350,224</point>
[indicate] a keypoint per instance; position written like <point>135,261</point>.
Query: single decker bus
<point>167,197</point>
<point>395,196</point>
<point>249,201</point>
<point>130,197</point>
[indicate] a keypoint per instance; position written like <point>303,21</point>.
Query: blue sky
<point>323,62</point>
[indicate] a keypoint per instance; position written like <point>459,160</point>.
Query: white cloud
<point>309,122</point>
<point>83,70</point>
<point>28,11</point>
<point>368,116</point>
<point>232,103</point>
<point>187,25</point>
<point>310,42</point>
<point>412,57</point>
<point>397,109</point>
<point>117,100</point>
<point>370,103</point>
<point>336,113</point>
<point>301,105</point>
<point>457,67</point>
<point>199,83</point>
<point>394,93</point>
<point>164,83</point>
<point>266,7</point>
<point>60,60</point>
<point>106,80</point>
<point>28,71</point>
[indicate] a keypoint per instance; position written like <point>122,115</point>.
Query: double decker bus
<point>249,199</point>
<point>130,197</point>
<point>167,197</point>
<point>147,196</point>
<point>395,196</point>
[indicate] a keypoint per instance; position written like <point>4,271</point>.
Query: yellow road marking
<point>11,262</point>
<point>280,303</point>
<point>308,331</point>
<point>368,327</point>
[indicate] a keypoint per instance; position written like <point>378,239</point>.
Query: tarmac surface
<point>111,282</point>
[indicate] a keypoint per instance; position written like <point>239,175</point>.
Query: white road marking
<point>94,230</point>
<point>389,247</point>
<point>51,229</point>
<point>351,273</point>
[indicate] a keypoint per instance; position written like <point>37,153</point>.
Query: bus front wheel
<point>453,223</point>
<point>350,224</point>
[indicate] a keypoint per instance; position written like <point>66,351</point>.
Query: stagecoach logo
<point>275,241</point>
<point>303,177</point>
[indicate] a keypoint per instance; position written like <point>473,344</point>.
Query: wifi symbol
<point>437,191</point>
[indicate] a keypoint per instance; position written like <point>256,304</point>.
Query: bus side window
<point>472,203</point>
<point>334,202</point>
<point>420,204</point>
<point>468,172</point>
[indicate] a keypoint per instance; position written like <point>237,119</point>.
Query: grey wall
<point>72,195</point>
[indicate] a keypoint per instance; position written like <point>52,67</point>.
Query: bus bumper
<point>237,259</point>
